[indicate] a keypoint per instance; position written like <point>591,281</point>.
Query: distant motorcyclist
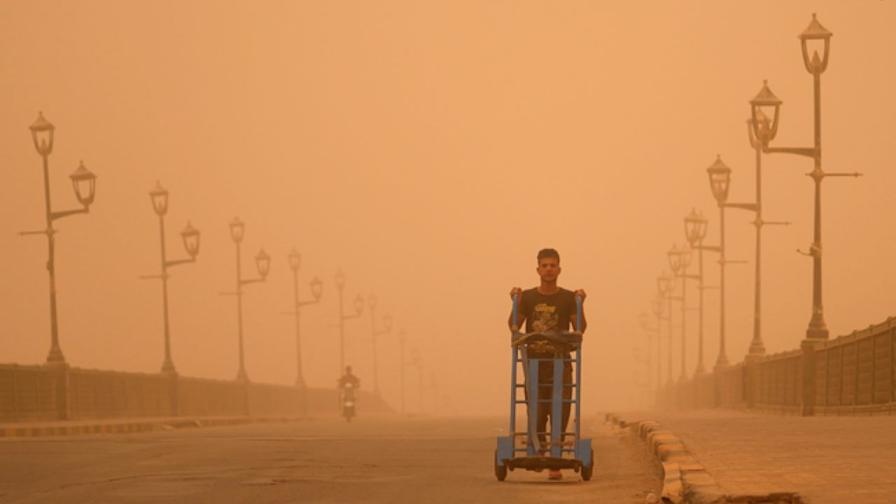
<point>348,384</point>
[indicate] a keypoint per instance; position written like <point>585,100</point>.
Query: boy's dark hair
<point>548,252</point>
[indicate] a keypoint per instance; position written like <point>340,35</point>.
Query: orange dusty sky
<point>430,149</point>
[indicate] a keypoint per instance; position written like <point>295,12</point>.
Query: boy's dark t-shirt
<point>545,313</point>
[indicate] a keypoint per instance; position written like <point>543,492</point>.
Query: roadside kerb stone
<point>684,478</point>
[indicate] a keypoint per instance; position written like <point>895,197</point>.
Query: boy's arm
<point>573,317</point>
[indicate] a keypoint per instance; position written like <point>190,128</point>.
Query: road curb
<point>685,480</point>
<point>128,426</point>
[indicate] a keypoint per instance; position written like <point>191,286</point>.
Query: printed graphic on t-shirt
<point>545,318</point>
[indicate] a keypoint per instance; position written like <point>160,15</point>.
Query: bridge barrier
<point>52,392</point>
<point>851,374</point>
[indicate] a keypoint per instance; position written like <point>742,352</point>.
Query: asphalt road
<point>370,460</point>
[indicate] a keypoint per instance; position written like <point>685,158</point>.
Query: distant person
<point>548,308</point>
<point>349,378</point>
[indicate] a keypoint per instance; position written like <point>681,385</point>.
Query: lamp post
<point>679,261</point>
<point>359,307</point>
<point>417,362</point>
<point>263,265</point>
<point>665,286</point>
<point>295,261</point>
<point>84,184</point>
<point>719,183</point>
<point>387,327</point>
<point>657,308</point>
<point>757,347</point>
<point>401,339</point>
<point>764,114</point>
<point>159,198</point>
<point>695,231</point>
<point>652,333</point>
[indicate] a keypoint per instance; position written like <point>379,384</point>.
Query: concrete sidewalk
<point>122,425</point>
<point>823,459</point>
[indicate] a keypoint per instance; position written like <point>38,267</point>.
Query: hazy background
<point>429,150</point>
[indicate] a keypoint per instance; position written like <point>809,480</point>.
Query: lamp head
<point>295,260</point>
<point>316,288</point>
<point>237,230</point>
<point>694,227</point>
<point>815,37</point>
<point>42,135</point>
<point>263,263</point>
<point>191,240</point>
<point>159,198</point>
<point>765,110</point>
<point>719,180</point>
<point>674,256</point>
<point>84,183</point>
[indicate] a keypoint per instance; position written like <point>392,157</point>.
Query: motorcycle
<point>348,402</point>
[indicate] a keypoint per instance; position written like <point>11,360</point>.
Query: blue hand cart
<point>522,449</point>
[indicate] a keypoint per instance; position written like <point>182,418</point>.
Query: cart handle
<point>571,338</point>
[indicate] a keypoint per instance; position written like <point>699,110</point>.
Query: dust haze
<point>429,151</point>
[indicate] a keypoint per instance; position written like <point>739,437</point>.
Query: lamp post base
<point>242,377</point>
<point>757,351</point>
<point>55,357</point>
<point>168,368</point>
<point>722,363</point>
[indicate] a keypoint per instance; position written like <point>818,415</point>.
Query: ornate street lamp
<point>295,260</point>
<point>84,185</point>
<point>359,307</point>
<point>387,327</point>
<point>263,266</point>
<point>159,198</point>
<point>765,112</point>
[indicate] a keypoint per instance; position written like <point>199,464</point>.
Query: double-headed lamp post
<point>295,262</point>
<point>665,286</point>
<point>263,265</point>
<point>719,183</point>
<point>387,327</point>
<point>679,262</point>
<point>84,184</point>
<point>159,198</point>
<point>765,111</point>
<point>359,308</point>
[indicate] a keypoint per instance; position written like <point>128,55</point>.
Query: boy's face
<point>548,269</point>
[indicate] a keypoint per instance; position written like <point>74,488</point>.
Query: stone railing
<point>43,393</point>
<point>852,374</point>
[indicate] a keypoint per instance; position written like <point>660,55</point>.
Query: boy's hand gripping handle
<point>515,313</point>
<point>579,313</point>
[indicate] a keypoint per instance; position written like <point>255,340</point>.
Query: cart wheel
<point>588,470</point>
<point>500,469</point>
